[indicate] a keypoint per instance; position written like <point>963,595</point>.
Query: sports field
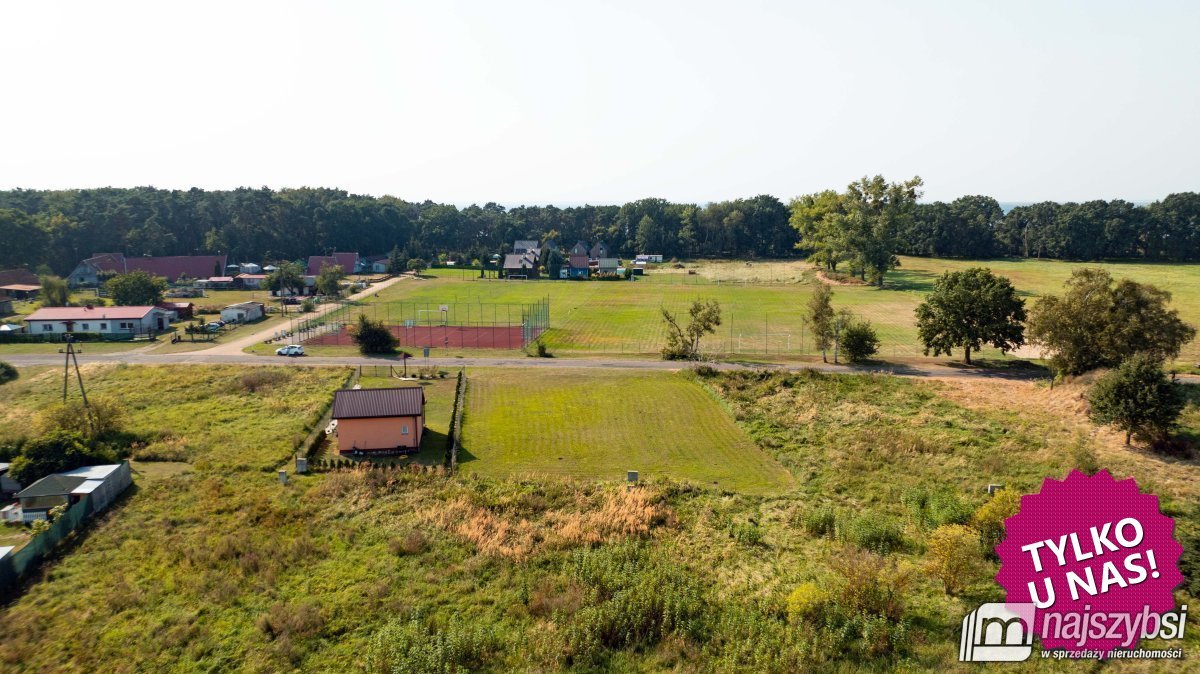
<point>762,302</point>
<point>557,422</point>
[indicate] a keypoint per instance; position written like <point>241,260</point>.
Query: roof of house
<point>9,327</point>
<point>57,484</point>
<point>18,276</point>
<point>244,305</point>
<point>176,305</point>
<point>258,276</point>
<point>4,467</point>
<point>525,244</point>
<point>408,401</point>
<point>519,261</point>
<point>346,261</point>
<point>578,261</point>
<point>598,249</point>
<point>20,286</point>
<point>171,266</point>
<point>85,313</point>
<point>608,262</point>
<point>93,472</point>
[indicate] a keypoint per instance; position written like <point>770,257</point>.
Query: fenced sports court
<point>470,325</point>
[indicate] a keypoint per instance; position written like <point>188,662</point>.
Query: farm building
<point>215,282</point>
<point>103,483</point>
<point>387,420</point>
<point>20,291</point>
<point>376,264</point>
<point>243,312</point>
<point>183,310</point>
<point>98,320</point>
<point>347,261</point>
<point>19,284</point>
<point>90,271</point>
<point>250,281</point>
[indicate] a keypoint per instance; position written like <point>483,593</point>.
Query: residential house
<point>243,312</point>
<point>600,250</point>
<point>347,261</point>
<point>577,266</point>
<point>98,320</point>
<point>215,282</point>
<point>379,421</point>
<point>8,486</point>
<point>527,246</point>
<point>520,265</point>
<point>18,284</point>
<point>103,483</point>
<point>6,305</point>
<point>375,264</point>
<point>580,248</point>
<point>91,271</point>
<point>249,268</point>
<point>607,265</point>
<point>250,281</point>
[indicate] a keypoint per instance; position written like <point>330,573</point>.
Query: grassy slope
<point>757,298</point>
<point>231,571</point>
<point>601,424</point>
<point>203,413</point>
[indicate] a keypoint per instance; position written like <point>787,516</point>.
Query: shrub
<point>373,336</point>
<point>1084,457</point>
<point>870,583</point>
<point>412,543</point>
<point>261,378</point>
<point>953,556</point>
<point>989,519</point>
<point>308,306</point>
<point>807,602</point>
<point>418,646</point>
<point>542,351</point>
<point>7,372</point>
<point>820,522</point>
<point>877,534</point>
<point>55,452</point>
<point>859,341</point>
<point>930,509</point>
<point>746,533</point>
<point>1137,397</point>
<point>103,418</point>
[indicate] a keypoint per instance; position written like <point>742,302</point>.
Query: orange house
<point>380,420</point>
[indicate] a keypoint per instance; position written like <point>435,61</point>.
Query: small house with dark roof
<point>521,246</point>
<point>379,421</point>
<point>523,264</point>
<point>102,483</point>
<point>347,261</point>
<point>599,251</point>
<point>580,248</point>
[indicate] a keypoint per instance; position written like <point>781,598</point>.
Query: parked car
<point>214,326</point>
<point>290,350</point>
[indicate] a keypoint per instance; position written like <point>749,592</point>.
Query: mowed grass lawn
<point>762,302</point>
<point>599,425</point>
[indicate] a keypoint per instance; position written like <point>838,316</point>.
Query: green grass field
<point>599,425</point>
<point>762,303</point>
<point>206,415</point>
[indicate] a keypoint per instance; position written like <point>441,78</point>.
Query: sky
<point>604,102</point>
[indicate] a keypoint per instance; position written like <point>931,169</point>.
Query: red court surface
<point>438,336</point>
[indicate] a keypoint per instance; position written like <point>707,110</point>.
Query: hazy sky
<point>603,102</point>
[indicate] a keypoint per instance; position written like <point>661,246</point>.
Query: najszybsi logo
<point>997,633</point>
<point>1004,633</point>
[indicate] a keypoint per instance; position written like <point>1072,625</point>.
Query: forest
<point>57,228</point>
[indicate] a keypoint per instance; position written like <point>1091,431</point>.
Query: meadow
<point>601,424</point>
<point>412,570</point>
<point>762,303</point>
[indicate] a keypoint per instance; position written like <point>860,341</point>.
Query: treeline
<point>59,228</point>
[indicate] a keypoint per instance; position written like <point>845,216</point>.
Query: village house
<point>379,421</point>
<point>184,311</point>
<point>103,483</point>
<point>243,312</point>
<point>250,281</point>
<point>520,265</point>
<point>607,265</point>
<point>598,251</point>
<point>20,284</point>
<point>92,271</point>
<point>98,320</point>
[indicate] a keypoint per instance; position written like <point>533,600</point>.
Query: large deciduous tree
<point>1137,397</point>
<point>55,292</point>
<point>329,280</point>
<point>136,288</point>
<point>968,309</point>
<point>287,278</point>
<point>1099,323</point>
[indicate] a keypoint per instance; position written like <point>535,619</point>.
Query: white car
<point>290,350</point>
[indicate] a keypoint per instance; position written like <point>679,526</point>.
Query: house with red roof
<point>52,321</point>
<point>347,261</point>
<point>90,271</point>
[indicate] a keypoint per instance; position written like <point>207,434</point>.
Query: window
<point>46,327</point>
<point>404,429</point>
<point>104,326</point>
<point>85,326</point>
<point>126,326</point>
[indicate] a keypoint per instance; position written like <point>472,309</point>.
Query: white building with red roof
<point>98,320</point>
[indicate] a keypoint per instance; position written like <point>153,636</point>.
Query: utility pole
<point>68,359</point>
